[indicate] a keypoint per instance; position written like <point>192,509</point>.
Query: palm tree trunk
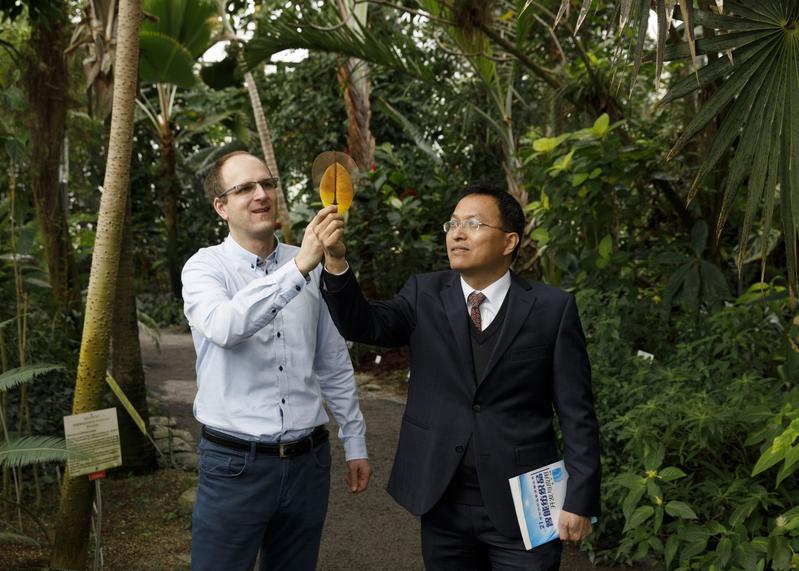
<point>138,455</point>
<point>269,156</point>
<point>169,202</point>
<point>46,82</point>
<point>72,529</point>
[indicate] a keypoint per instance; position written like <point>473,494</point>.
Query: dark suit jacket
<point>539,363</point>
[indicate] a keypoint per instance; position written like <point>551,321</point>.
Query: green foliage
<point>29,450</point>
<point>590,225</point>
<point>171,42</point>
<point>682,433</point>
<point>15,377</point>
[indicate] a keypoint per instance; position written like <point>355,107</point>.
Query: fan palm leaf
<point>756,104</point>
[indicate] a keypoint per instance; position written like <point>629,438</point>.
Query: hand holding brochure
<point>538,498</point>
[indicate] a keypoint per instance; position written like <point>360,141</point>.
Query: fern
<point>34,450</point>
<point>22,375</point>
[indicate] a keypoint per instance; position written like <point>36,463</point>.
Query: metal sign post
<point>95,435</point>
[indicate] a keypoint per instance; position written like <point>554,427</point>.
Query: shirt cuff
<point>336,282</point>
<point>354,448</point>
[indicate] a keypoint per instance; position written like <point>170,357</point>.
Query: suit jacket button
<point>459,449</point>
<point>476,408</point>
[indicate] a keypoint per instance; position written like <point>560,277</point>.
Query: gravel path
<point>369,531</point>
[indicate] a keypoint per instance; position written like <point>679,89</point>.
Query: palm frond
<point>26,374</point>
<point>29,450</point>
<point>386,47</point>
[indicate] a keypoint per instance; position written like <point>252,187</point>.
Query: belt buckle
<point>282,451</point>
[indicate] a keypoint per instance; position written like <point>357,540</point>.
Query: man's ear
<point>221,208</point>
<point>510,243</point>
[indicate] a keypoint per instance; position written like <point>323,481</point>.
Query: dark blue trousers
<point>246,502</point>
<point>459,537</point>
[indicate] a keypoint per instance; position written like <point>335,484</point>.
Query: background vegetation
<point>687,304</point>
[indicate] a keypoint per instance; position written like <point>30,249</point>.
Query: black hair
<point>510,211</point>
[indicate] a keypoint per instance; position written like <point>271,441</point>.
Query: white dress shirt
<point>495,295</point>
<point>267,349</point>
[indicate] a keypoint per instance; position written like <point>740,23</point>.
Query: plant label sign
<point>95,435</point>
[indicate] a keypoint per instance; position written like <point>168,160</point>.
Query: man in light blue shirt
<point>267,356</point>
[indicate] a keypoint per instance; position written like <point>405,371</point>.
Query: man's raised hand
<point>312,249</point>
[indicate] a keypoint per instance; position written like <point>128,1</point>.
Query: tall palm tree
<point>72,529</point>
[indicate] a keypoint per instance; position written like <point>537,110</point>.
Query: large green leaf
<point>34,450</point>
<point>164,60</point>
<point>189,22</point>
<point>22,375</point>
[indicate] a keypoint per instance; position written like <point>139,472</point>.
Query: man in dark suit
<point>493,357</point>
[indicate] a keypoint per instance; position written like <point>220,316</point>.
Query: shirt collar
<point>247,257</point>
<point>494,292</point>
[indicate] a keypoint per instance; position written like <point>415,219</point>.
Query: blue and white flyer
<point>538,497</point>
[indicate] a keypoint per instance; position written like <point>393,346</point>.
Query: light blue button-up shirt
<point>267,349</point>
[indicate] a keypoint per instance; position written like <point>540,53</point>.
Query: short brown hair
<point>213,179</point>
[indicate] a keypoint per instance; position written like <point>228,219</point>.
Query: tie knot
<point>476,298</point>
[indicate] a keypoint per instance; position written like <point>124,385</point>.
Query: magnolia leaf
<point>336,187</point>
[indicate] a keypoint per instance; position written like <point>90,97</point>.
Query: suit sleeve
<point>574,403</point>
<point>386,323</point>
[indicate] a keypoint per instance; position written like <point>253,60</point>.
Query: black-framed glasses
<point>469,225</point>
<point>245,188</point>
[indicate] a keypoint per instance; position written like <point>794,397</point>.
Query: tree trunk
<point>138,454</point>
<point>72,528</point>
<point>354,78</point>
<point>46,81</point>
<point>169,201</point>
<point>269,156</point>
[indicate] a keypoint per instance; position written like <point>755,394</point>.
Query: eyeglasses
<point>469,225</point>
<point>247,188</point>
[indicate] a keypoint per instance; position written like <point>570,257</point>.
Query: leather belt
<point>283,450</point>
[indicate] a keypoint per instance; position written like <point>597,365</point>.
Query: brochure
<point>538,498</point>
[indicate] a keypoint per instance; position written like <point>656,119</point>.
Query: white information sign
<point>96,435</point>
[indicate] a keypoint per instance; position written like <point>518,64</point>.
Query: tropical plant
<point>171,42</point>
<point>72,531</point>
<point>751,55</point>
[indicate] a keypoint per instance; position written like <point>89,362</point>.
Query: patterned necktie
<point>475,299</point>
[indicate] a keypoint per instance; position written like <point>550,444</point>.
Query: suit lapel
<point>520,301</point>
<point>455,306</point>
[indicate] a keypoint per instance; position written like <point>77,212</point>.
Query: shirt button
<point>278,334</point>
<point>459,449</point>
<point>476,408</point>
<point>274,311</point>
<point>298,288</point>
<point>283,401</point>
<point>280,368</point>
<point>252,267</point>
